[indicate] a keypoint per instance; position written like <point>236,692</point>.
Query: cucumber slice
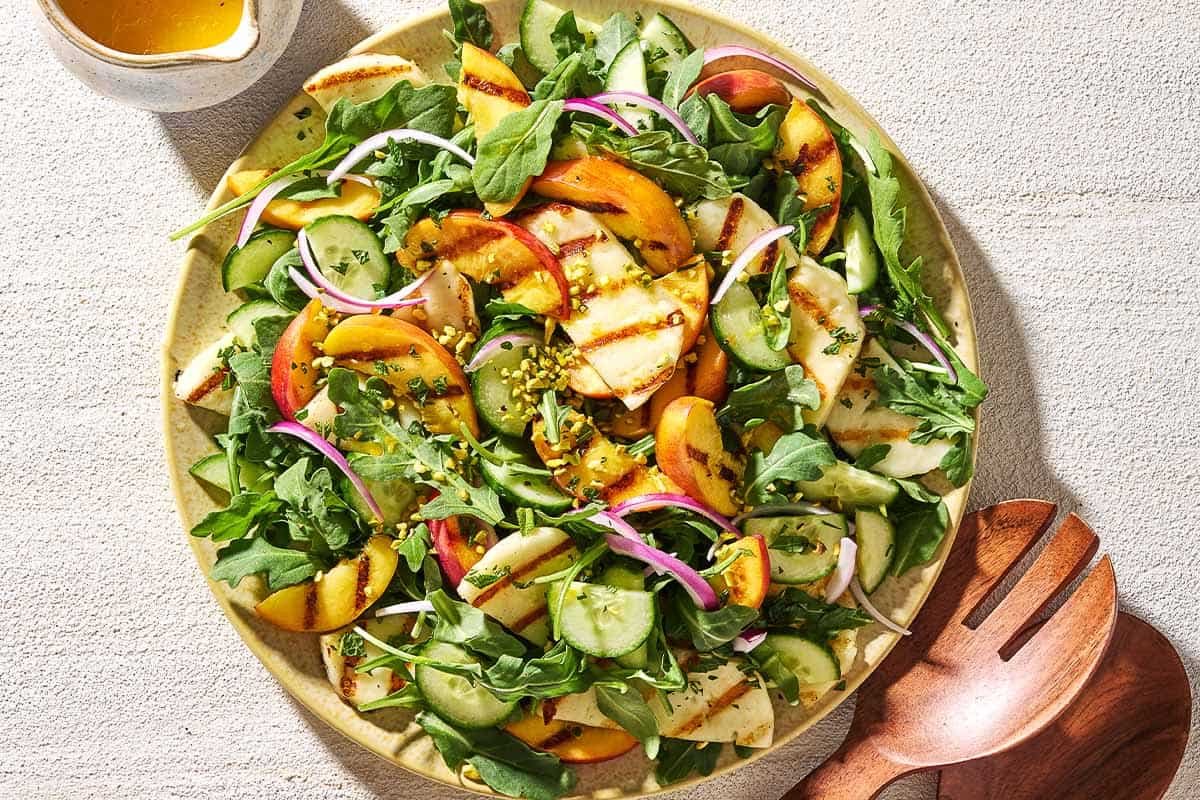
<point>622,577</point>
<point>862,260</point>
<point>627,73</point>
<point>737,324</point>
<point>823,532</point>
<point>213,470</point>
<point>519,487</point>
<point>493,392</point>
<point>666,44</point>
<point>876,548</point>
<point>851,487</point>
<point>241,319</point>
<point>250,263</point>
<point>812,662</point>
<point>397,498</point>
<point>603,621</point>
<point>452,696</point>
<point>350,255</point>
<point>537,23</point>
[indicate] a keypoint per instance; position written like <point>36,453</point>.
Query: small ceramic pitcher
<point>179,81</point>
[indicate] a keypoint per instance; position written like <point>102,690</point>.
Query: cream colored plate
<point>198,317</point>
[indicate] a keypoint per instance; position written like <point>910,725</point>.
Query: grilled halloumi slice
<point>859,421</point>
<point>730,224</point>
<point>200,382</point>
<point>518,558</point>
<point>361,77</point>
<point>827,332</point>
<point>449,307</point>
<point>720,705</point>
<point>629,329</point>
<point>845,649</point>
<point>366,687</point>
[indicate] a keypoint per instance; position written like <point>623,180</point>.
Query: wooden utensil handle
<point>857,771</point>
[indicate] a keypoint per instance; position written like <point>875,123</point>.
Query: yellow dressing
<point>155,26</point>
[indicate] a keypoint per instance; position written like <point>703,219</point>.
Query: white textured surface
<point>1060,143</point>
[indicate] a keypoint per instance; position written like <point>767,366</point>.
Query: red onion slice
<point>756,246</point>
<point>781,510</point>
<point>923,338</point>
<point>493,346</point>
<point>844,572</point>
<point>256,208</point>
<point>736,50</point>
<point>861,596</point>
<point>748,640</point>
<point>649,502</point>
<point>697,588</point>
<point>318,443</point>
<point>394,300</point>
<point>413,607</point>
<point>585,106</point>
<point>646,101</point>
<point>327,300</point>
<point>379,140</point>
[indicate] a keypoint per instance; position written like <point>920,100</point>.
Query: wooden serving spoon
<point>949,694</point>
<point>1123,737</point>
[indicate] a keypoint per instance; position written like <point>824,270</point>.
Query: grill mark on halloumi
<point>652,382</point>
<point>722,702</point>
<point>807,302</point>
<point>504,581</point>
<point>515,96</point>
<point>769,254</point>
<point>212,382</point>
<point>822,389</point>
<point>353,76</point>
<point>529,619</point>
<point>396,683</point>
<point>866,434</point>
<point>360,582</point>
<point>629,331</point>
<point>349,682</point>
<point>730,225</point>
<point>575,247</point>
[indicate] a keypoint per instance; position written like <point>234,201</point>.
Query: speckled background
<point>1059,143</point>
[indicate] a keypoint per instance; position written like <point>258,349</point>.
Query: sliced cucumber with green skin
<point>627,73</point>
<point>452,696</point>
<point>666,43</point>
<point>214,470</point>
<point>397,499</point>
<point>738,325</point>
<point>623,576</point>
<point>824,534</point>
<point>251,262</point>
<point>603,621</point>
<point>862,260</point>
<point>241,319</point>
<point>876,548</point>
<point>493,392</point>
<point>811,662</point>
<point>520,487</point>
<point>537,23</point>
<point>350,255</point>
<point>851,487</point>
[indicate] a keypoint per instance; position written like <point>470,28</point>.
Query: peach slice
<point>574,744</point>
<point>807,149</point>
<point>456,554</point>
<point>293,377</point>
<point>703,377</point>
<point>412,362</point>
<point>491,251</point>
<point>631,424</point>
<point>745,90</point>
<point>629,203</point>
<point>339,596</point>
<point>490,91</point>
<point>690,451</point>
<point>355,200</point>
<point>747,579</point>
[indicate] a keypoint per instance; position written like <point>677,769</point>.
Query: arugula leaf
<point>415,547</point>
<point>795,457</point>
<point>408,696</point>
<point>560,82</point>
<point>708,630</point>
<point>696,115</point>
<point>559,671</point>
<point>681,77</point>
<point>678,759</point>
<point>777,317</point>
<point>463,624</point>
<point>471,23</point>
<point>553,414</point>
<point>789,210</point>
<point>818,620</point>
<point>777,398</point>
<point>739,146</point>
<point>281,565</point>
<point>566,37</point>
<point>515,150</point>
<point>243,514</point>
<point>957,462</point>
<point>872,455</point>
<point>681,168</point>
<point>919,533</point>
<point>919,395</point>
<point>505,763</point>
<point>616,32</point>
<point>626,707</point>
<point>316,514</point>
<point>279,285</point>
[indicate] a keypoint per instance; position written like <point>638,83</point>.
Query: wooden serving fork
<point>949,694</point>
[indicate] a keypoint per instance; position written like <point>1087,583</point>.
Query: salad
<point>578,404</point>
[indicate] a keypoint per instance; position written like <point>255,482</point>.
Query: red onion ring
<point>490,347</point>
<point>922,337</point>
<point>861,596</point>
<point>628,542</point>
<point>748,640</point>
<point>646,101</point>
<point>413,607</point>
<point>306,286</point>
<point>255,210</point>
<point>648,502</point>
<point>585,106</point>
<point>318,443</point>
<point>781,510</point>
<point>379,140</point>
<point>756,246</point>
<point>843,573</point>
<point>395,300</point>
<point>729,50</point>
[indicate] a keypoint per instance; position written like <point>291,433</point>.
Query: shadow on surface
<point>209,139</point>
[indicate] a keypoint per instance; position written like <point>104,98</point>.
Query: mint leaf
<point>282,566</point>
<point>515,150</point>
<point>414,547</point>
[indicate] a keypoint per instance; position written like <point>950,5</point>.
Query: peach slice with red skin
<point>691,452</point>
<point>490,91</point>
<point>703,377</point>
<point>456,554</point>
<point>630,204</point>
<point>572,743</point>
<point>293,377</point>
<point>747,580</point>
<point>411,362</point>
<point>491,251</point>
<point>745,90</point>
<point>354,200</point>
